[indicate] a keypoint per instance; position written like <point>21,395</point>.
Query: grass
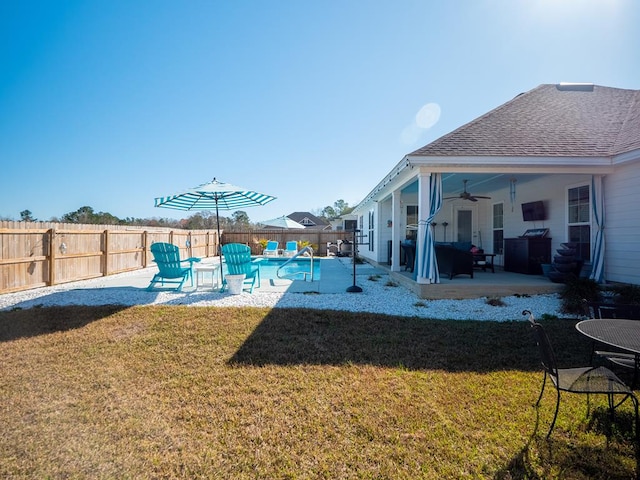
<point>184,392</point>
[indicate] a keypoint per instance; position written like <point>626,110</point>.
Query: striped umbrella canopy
<point>214,195</point>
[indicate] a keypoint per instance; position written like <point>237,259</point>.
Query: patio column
<point>429,203</point>
<point>424,205</point>
<point>396,238</point>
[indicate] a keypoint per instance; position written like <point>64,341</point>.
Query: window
<point>350,225</point>
<point>412,219</point>
<point>371,230</point>
<point>579,218</point>
<point>498,228</point>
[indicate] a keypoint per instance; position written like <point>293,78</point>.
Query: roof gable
<point>550,120</point>
<point>307,219</point>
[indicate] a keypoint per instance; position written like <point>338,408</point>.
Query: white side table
<point>201,269</point>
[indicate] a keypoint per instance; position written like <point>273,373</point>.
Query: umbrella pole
<point>219,247</point>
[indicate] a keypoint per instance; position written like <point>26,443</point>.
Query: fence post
<point>145,239</point>
<point>52,256</point>
<point>105,254</point>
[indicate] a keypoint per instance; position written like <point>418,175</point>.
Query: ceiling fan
<point>464,195</point>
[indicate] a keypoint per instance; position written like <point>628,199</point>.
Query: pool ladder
<point>304,274</point>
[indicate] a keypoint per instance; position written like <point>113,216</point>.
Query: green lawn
<point>192,392</point>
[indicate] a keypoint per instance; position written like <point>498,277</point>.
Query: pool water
<point>293,270</point>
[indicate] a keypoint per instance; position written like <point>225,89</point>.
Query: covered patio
<point>477,187</point>
<point>483,284</point>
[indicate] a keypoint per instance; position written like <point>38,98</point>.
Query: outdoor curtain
<point>429,266</point>
<point>597,205</point>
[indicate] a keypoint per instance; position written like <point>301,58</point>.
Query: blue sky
<point>110,104</point>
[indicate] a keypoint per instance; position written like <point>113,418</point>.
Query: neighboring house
<point>346,222</point>
<point>562,150</point>
<point>309,220</point>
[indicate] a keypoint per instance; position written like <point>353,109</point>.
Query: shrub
<point>627,294</point>
<point>495,302</point>
<point>306,243</point>
<point>577,289</point>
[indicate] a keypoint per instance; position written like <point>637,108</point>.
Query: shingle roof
<point>550,120</point>
<point>304,217</point>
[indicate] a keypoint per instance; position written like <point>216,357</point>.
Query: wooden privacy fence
<point>61,253</point>
<point>38,257</point>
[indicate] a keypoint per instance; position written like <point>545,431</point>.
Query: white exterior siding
<point>383,232</point>
<point>622,227</point>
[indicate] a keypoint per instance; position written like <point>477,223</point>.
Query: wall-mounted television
<point>533,211</point>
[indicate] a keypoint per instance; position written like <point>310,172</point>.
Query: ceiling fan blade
<point>465,195</point>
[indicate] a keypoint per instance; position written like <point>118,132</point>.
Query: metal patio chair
<point>617,357</point>
<point>585,380</point>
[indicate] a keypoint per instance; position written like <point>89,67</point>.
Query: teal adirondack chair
<point>171,269</point>
<point>237,258</point>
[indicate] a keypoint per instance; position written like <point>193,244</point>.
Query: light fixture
<point>444,224</point>
<point>512,190</point>
<point>63,248</point>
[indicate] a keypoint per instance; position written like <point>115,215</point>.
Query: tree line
<point>204,220</point>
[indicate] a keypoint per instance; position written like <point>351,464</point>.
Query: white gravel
<point>376,298</point>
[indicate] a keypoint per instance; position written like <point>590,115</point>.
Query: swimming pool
<point>292,271</point>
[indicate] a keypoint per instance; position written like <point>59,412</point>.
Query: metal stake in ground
<point>354,254</point>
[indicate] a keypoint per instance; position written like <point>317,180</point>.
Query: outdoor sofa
<point>454,258</point>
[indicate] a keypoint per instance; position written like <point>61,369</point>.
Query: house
<point>346,222</point>
<point>561,161</point>
<point>309,220</point>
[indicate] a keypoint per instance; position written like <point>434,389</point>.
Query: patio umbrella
<point>282,222</point>
<point>214,195</point>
